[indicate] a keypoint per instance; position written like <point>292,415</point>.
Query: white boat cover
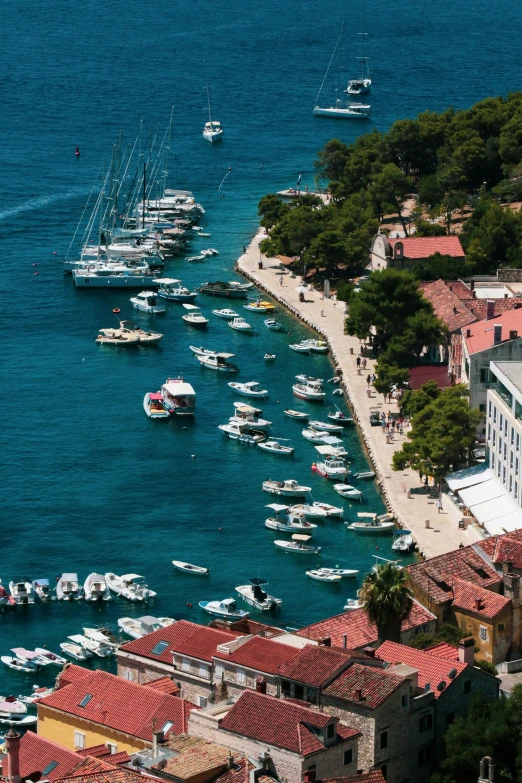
<point>277,506</point>
<point>179,388</point>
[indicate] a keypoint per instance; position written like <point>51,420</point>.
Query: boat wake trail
<point>40,201</point>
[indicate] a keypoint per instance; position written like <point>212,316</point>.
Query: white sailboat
<point>357,111</point>
<point>363,83</point>
<point>212,131</point>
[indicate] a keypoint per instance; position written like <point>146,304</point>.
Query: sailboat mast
<point>340,61</point>
<point>144,194</point>
<point>208,94</point>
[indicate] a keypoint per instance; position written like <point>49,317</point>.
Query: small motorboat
<point>330,450</point>
<point>30,655</point>
<point>42,589</point>
<point>10,705</point>
<point>97,635</point>
<point>179,397</point>
<point>339,418</point>
<point>273,325</point>
<point>148,302</point>
<point>136,627</point>
<point>28,667</point>
<point>188,568</point>
<point>319,437</point>
<point>194,317</point>
<point>320,576</point>
<point>258,306</point>
<point>250,389</point>
<point>130,586</point>
<point>292,521</point>
<point>348,492</point>
<point>403,541</point>
<point>195,258</point>
<point>246,414</point>
<point>203,233</point>
<point>302,378</point>
<point>331,468</point>
<point>218,361</point>
<point>242,432</point>
<point>201,351</point>
<point>75,651</point>
<point>352,603</point>
<point>21,592</point>
<point>38,693</point>
<point>250,423</point>
<point>68,588</point>
<point>298,415</point>
<point>309,391</point>
<point>318,510</point>
<point>51,657</point>
<point>173,290</point>
<point>19,720</point>
<point>153,406</point>
<point>240,325</point>
<point>298,545</point>
<point>338,392</point>
<point>269,357</point>
<point>286,488</point>
<point>95,588</point>
<point>225,608</point>
<point>274,447</point>
<point>253,594</point>
<point>341,572</point>
<point>100,649</point>
<point>299,348</point>
<point>382,561</point>
<point>226,313</point>
<point>371,523</point>
<point>364,475</point>
<point>129,330</point>
<point>316,346</point>
<point>115,337</point>
<point>324,426</point>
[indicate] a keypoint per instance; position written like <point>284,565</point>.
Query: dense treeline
<point>450,160</point>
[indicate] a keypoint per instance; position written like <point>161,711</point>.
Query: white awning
<point>487,499</point>
<point>480,493</point>
<point>468,477</point>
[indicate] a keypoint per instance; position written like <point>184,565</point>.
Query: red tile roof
<point>432,668</point>
<point>113,775</point>
<point>475,599</point>
<point>260,654</point>
<point>37,753</point>
<point>240,773</point>
<point>481,332</point>
<point>357,628</point>
<point>315,664</point>
<point>504,549</point>
<point>196,641</point>
<point>72,673</point>
<point>447,305</point>
<point>444,650</point>
<point>456,352</point>
<point>423,247</point>
<point>364,685</point>
<point>435,576</point>
<point>121,705</point>
<point>428,372</point>
<point>165,685</point>
<point>374,776</point>
<point>279,723</point>
<point>103,752</point>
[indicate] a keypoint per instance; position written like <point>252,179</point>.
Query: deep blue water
<point>88,482</point>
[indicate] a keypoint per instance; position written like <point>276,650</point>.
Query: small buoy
<point>83,360</point>
<point>36,273</point>
<point>376,547</point>
<point>193,456</point>
<point>77,153</point>
<point>116,310</point>
<point>54,252</point>
<point>189,605</point>
<point>34,264</point>
<point>220,529</point>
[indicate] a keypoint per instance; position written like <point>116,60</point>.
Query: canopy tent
<point>488,501</point>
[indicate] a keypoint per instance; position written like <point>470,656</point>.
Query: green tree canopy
<point>414,401</point>
<point>271,209</point>
<point>387,600</point>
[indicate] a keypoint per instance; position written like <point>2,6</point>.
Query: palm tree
<point>387,600</point>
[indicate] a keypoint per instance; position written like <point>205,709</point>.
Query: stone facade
<point>287,766</point>
<point>186,673</point>
<point>235,679</point>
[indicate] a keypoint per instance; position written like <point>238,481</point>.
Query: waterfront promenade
<point>411,502</point>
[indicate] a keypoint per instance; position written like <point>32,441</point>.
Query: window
<point>330,731</point>
<point>424,755</point>
<point>493,461</point>
<point>241,677</point>
<point>128,675</point>
<point>512,436</point>
<point>504,474</point>
<point>511,458</point>
<point>219,671</point>
<point>483,633</point>
<point>501,626</point>
<point>489,409</point>
<point>86,699</point>
<point>499,466</point>
<point>482,407</point>
<point>518,442</point>
<point>404,700</point>
<point>501,422</point>
<point>489,432</point>
<point>79,739</point>
<point>500,445</point>
<point>516,465</point>
<point>112,748</point>
<point>185,664</point>
<point>467,686</point>
<point>505,450</point>
<point>348,756</point>
<point>450,717</point>
<point>494,437</point>
<point>505,427</point>
<point>494,415</point>
<point>511,483</point>
<point>516,489</point>
<point>485,375</point>
<point>384,740</point>
<point>159,648</point>
<point>49,768</point>
<point>167,727</point>
<point>203,671</point>
<point>426,722</point>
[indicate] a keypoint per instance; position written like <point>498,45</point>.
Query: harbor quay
<point>413,504</point>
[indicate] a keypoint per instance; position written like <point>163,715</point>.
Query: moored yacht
<point>250,389</point>
<point>253,594</point>
<point>194,316</point>
<point>130,586</point>
<point>218,361</point>
<point>148,302</point>
<point>309,391</point>
<point>226,313</point>
<point>286,488</point>
<point>242,432</point>
<point>225,608</point>
<point>228,290</point>
<point>332,468</point>
<point>173,290</point>
<point>290,522</point>
<point>22,592</point>
<point>179,397</point>
<point>118,275</point>
<point>68,588</point>
<point>240,325</point>
<point>96,589</point>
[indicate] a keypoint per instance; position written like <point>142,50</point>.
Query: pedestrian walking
<point>364,363</point>
<point>281,280</point>
<point>426,481</point>
<point>439,505</point>
<point>373,377</point>
<point>368,379</point>
<point>358,362</point>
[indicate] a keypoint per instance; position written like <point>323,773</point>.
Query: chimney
<point>486,769</point>
<point>468,332</point>
<point>12,740</point>
<point>326,641</point>
<point>512,588</point>
<point>472,286</point>
<point>345,641</point>
<point>358,694</point>
<point>467,650</point>
<point>230,760</point>
<point>450,286</point>
<point>513,334</point>
<point>497,334</point>
<point>370,651</point>
<point>157,738</point>
<point>478,604</point>
<point>490,309</point>
<point>455,311</point>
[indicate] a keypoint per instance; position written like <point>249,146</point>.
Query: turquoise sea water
<point>88,482</point>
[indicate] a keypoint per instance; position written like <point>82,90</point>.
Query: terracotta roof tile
<point>165,685</point>
<point>114,775</point>
<point>374,776</point>
<point>197,641</point>
<point>73,673</point>
<point>194,756</point>
<point>372,685</point>
<point>432,668</point>
<point>240,773</point>
<point>423,247</point>
<point>477,600</point>
<point>96,751</point>
<point>278,722</point>
<point>447,305</point>
<point>481,332</point>
<point>444,650</point>
<point>121,705</point>
<point>504,549</point>
<point>357,628</point>
<point>260,654</point>
<point>456,352</point>
<point>315,664</point>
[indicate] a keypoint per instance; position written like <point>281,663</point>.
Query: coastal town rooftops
<point>281,723</point>
<point>471,598</point>
<point>423,247</point>
<point>165,685</point>
<point>258,653</point>
<point>432,669</point>
<point>316,665</point>
<point>113,775</point>
<point>193,757</point>
<point>121,705</point>
<point>435,576</point>
<point>183,637</point>
<point>353,629</point>
<point>364,685</point>
<point>480,335</point>
<point>444,650</point>
<point>504,549</point>
<point>447,305</point>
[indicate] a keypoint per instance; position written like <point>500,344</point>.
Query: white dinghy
<point>225,608</point>
<point>348,492</point>
<point>286,488</point>
<point>321,577</point>
<point>75,651</point>
<point>298,545</point>
<point>96,588</point>
<point>340,572</point>
<point>274,447</point>
<point>188,568</point>
<point>130,586</point>
<point>371,523</point>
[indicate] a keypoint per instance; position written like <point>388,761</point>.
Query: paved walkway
<point>411,502</point>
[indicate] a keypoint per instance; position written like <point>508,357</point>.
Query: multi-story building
<point>504,425</point>
<point>404,252</point>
